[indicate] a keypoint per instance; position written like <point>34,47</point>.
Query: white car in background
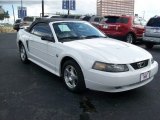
<point>84,57</point>
<point>27,21</point>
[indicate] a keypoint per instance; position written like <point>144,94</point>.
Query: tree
<point>6,14</point>
<point>3,14</point>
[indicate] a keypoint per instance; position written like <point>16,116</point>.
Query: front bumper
<point>118,82</point>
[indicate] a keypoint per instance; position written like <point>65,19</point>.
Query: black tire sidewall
<point>80,87</point>
<point>149,45</point>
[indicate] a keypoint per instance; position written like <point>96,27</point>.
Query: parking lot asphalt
<point>28,92</point>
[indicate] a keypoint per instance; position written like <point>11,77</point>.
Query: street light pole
<point>68,7</point>
<point>68,11</point>
<point>42,8</point>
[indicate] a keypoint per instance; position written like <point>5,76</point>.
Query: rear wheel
<point>73,76</point>
<point>149,45</point>
<point>130,38</point>
<point>23,55</point>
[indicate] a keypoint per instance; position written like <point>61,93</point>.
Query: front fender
<point>85,62</point>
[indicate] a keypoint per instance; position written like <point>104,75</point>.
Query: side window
<point>123,20</point>
<point>137,21</point>
<point>41,29</point>
<point>154,22</point>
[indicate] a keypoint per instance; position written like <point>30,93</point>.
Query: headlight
<point>110,67</point>
<point>152,60</point>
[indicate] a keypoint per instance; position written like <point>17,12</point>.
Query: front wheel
<point>23,54</point>
<point>73,76</point>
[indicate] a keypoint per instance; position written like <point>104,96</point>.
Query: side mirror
<point>48,38</point>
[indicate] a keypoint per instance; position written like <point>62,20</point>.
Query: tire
<point>130,38</point>
<point>73,77</point>
<point>149,45</point>
<point>23,54</point>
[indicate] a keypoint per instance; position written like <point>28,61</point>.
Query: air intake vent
<point>139,65</point>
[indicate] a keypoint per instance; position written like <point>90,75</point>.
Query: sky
<point>146,8</point>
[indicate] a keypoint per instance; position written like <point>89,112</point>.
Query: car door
<point>52,54</point>
<point>38,48</point>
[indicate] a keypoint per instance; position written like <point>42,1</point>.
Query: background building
<point>115,7</point>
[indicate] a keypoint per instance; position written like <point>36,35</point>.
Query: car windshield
<point>139,21</point>
<point>69,31</point>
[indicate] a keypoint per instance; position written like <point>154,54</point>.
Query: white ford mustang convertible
<point>84,57</point>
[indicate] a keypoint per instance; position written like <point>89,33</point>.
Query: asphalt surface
<point>28,92</point>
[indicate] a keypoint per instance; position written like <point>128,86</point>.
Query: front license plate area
<point>145,76</point>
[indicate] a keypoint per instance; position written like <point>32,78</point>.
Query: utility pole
<point>21,9</point>
<point>13,13</point>
<point>42,8</point>
<point>68,7</point>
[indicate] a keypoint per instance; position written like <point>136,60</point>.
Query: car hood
<point>109,50</point>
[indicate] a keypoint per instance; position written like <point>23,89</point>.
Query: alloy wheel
<point>70,76</point>
<point>22,53</point>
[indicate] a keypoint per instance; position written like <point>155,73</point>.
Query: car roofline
<point>49,20</point>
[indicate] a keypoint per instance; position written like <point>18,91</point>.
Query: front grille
<point>140,64</point>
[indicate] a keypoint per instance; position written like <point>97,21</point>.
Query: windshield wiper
<point>69,38</point>
<point>94,36</point>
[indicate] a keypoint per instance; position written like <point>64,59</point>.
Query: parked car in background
<point>95,20</point>
<point>85,18</point>
<point>151,35</point>
<point>84,57</point>
<point>52,16</point>
<point>126,28</point>
<point>27,21</point>
<point>71,16</point>
<point>16,25</point>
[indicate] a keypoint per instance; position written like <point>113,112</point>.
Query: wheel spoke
<point>67,72</point>
<point>72,71</point>
<point>74,83</point>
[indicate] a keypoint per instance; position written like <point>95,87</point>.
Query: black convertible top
<point>48,20</point>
